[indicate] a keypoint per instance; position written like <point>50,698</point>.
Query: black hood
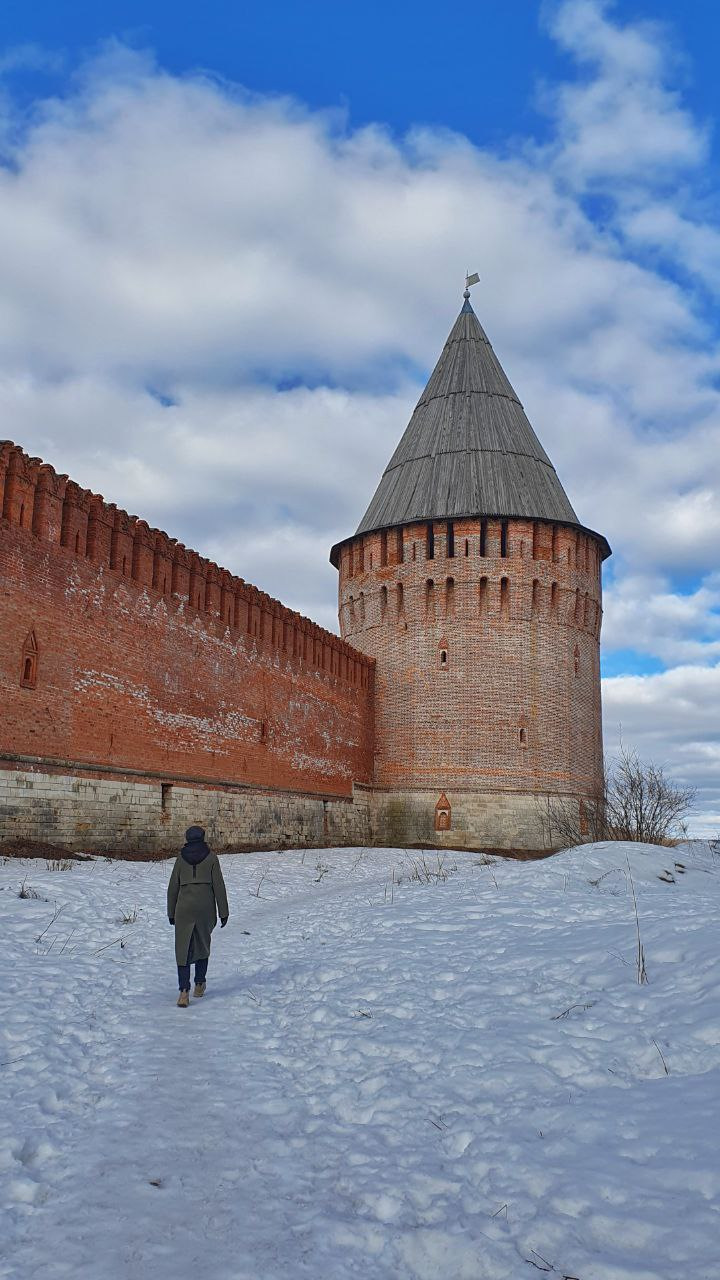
<point>195,848</point>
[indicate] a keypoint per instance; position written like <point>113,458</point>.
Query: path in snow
<point>377,1083</point>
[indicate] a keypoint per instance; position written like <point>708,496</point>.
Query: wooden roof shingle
<point>469,449</point>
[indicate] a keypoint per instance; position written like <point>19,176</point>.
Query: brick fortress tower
<point>473,585</point>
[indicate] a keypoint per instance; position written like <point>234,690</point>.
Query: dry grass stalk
<point>642,976</point>
<point>662,1056</point>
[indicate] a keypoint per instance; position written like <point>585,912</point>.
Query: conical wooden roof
<point>469,449</point>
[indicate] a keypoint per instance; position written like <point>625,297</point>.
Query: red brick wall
<point>152,658</point>
<point>515,705</point>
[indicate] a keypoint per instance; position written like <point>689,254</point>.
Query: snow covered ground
<point>454,1080</point>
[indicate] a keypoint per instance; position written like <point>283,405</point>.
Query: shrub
<point>638,803</point>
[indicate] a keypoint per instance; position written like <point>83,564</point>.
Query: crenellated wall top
<point>56,510</point>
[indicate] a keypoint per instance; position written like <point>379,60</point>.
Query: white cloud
<point>678,238</point>
<point>672,718</point>
<point>643,614</point>
<point>186,237</point>
<point>623,121</point>
<point>28,57</point>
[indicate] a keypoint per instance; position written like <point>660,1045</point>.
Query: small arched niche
<point>443,814</point>
<point>443,660</point>
<point>29,661</point>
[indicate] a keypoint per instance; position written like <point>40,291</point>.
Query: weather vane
<point>470,280</point>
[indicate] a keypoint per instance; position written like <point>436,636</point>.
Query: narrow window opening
<point>399,550</point>
<point>414,554</point>
<point>399,600</point>
<point>554,545</point>
<point>467,546</point>
<point>504,597</point>
<point>569,555</point>
<point>535,542</point>
<point>22,514</point>
<point>578,605</point>
<point>576,660</point>
<point>483,595</point>
<point>450,540</point>
<point>443,657</point>
<point>430,598</point>
<point>165,797</point>
<point>430,542</point>
<point>383,603</point>
<point>450,598</point>
<point>263,731</point>
<point>523,735</point>
<point>383,550</point>
<point>554,599</point>
<point>124,564</point>
<point>503,538</point>
<point>483,537</point>
<point>535,597</point>
<point>361,608</point>
<point>586,610</point>
<point>351,611</point>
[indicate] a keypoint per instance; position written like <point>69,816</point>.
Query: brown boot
<point>199,990</point>
<point>183,999</point>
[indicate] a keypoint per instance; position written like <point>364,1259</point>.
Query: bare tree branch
<point>637,802</point>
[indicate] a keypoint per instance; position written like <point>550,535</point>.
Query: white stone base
<point>479,820</point>
<point>110,816</point>
<point>124,816</point>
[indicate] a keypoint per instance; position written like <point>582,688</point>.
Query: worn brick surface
<point>151,659</point>
<point>487,671</point>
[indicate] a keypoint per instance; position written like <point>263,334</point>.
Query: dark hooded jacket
<point>196,896</point>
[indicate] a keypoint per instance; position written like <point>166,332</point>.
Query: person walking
<point>196,896</point>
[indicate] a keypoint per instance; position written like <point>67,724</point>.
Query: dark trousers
<point>184,973</point>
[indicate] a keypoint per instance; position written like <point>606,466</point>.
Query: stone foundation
<point>129,816</point>
<point>132,815</point>
<point>478,820</point>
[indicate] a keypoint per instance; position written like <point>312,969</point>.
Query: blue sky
<point>234,244</point>
<point>471,67</point>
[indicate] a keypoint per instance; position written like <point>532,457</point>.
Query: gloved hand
<point>171,919</point>
<point>224,922</point>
